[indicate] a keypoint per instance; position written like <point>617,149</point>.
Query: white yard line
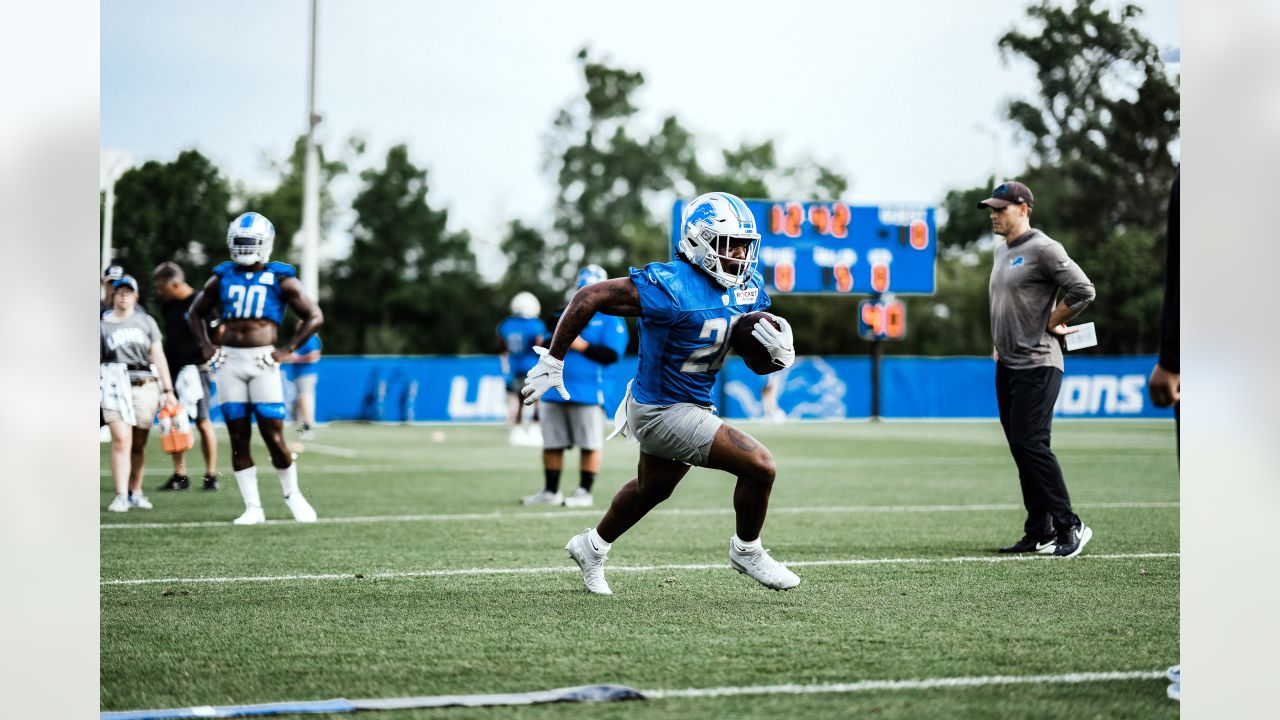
<point>923,684</point>
<point>626,568</point>
<point>166,469</point>
<point>595,512</point>
<point>316,447</point>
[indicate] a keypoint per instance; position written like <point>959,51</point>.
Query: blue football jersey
<point>253,294</point>
<point>311,345</point>
<point>519,335</point>
<point>584,377</point>
<point>686,319</point>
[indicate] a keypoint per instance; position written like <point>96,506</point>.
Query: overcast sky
<point>888,93</point>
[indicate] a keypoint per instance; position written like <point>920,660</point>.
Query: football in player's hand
<point>747,346</point>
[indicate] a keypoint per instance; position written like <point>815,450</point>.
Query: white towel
<point>620,418</point>
<point>189,389</point>
<point>115,391</point>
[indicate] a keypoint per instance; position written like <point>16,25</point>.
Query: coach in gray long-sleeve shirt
<point>1025,278</point>
<point>1027,323</point>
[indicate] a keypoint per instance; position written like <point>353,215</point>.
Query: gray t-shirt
<point>1025,278</point>
<point>129,341</point>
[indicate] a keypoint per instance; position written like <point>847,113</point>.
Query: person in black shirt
<point>182,350</point>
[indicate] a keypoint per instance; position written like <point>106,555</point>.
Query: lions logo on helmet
<point>250,237</point>
<point>591,274</point>
<point>712,224</point>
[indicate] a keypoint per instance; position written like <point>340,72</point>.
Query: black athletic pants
<point>1026,399</point>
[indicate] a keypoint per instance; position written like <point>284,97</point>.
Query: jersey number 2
<point>711,357</point>
<point>247,302</point>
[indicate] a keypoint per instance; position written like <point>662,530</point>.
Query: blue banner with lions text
<point>473,388</point>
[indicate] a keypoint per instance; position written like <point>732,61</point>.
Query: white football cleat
<point>543,497</point>
<point>301,509</point>
<point>759,565</point>
<point>590,562</point>
<point>526,436</point>
<point>140,501</point>
<point>579,499</point>
<point>120,504</point>
<point>252,516</point>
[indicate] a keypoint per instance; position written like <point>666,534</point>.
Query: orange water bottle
<point>175,430</point>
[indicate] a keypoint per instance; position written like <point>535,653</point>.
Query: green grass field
<point>387,595</point>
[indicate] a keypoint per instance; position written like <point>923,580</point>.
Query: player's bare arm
<point>611,297</point>
<point>201,306</point>
<point>307,309</point>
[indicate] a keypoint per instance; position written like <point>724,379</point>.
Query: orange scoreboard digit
<point>882,319</point>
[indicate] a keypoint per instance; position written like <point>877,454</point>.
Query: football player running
<point>687,309</point>
<point>253,293</point>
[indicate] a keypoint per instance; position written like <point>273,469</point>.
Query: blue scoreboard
<point>832,248</point>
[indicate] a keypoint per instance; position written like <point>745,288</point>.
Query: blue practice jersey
<point>584,377</point>
<point>686,319</point>
<point>519,334</point>
<point>253,294</point>
<point>312,344</point>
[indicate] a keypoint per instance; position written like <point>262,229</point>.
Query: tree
<point>525,250</point>
<point>607,175</point>
<point>617,185</point>
<point>409,285</point>
<point>174,211</point>
<point>1102,133</point>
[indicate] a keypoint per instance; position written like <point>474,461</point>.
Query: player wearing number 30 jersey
<point>253,292</point>
<point>687,310</point>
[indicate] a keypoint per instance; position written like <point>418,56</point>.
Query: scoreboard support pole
<point>877,352</point>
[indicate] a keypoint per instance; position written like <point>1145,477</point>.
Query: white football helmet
<point>711,223</point>
<point>591,274</point>
<point>250,237</point>
<point>525,304</point>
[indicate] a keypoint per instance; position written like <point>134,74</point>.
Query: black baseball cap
<point>113,272</point>
<point>124,281</point>
<point>1010,193</point>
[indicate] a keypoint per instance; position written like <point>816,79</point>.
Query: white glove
<point>267,360</point>
<point>547,374</point>
<point>779,343</point>
<point>219,357</point>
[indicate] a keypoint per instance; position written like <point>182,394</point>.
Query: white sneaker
<point>579,498</point>
<point>301,509</point>
<point>590,562</point>
<point>759,565</point>
<point>543,497</point>
<point>140,501</point>
<point>120,504</point>
<point>251,516</point>
<point>533,435</point>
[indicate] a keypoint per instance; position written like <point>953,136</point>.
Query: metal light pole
<point>310,271</point>
<point>111,165</point>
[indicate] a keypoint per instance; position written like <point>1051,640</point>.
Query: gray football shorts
<point>566,425</point>
<point>682,432</point>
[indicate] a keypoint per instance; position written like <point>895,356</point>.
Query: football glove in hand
<point>779,343</point>
<point>215,362</point>
<point>547,374</point>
